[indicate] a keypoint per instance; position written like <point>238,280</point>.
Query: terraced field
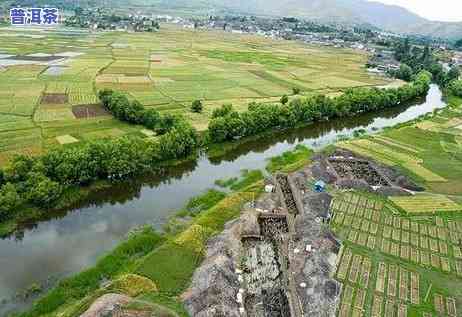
<point>393,264</point>
<point>166,70</point>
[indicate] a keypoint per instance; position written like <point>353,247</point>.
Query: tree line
<point>227,124</point>
<point>134,112</point>
<point>41,181</point>
<point>414,59</point>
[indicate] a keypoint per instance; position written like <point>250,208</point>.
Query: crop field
<point>165,70</point>
<point>426,204</point>
<point>392,264</point>
<point>429,151</point>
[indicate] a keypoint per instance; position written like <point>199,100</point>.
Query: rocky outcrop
<point>215,283</point>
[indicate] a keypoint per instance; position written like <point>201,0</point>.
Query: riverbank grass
<point>290,160</point>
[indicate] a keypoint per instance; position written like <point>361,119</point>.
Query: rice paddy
<point>50,78</point>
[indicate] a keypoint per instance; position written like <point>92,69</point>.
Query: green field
<point>395,265</point>
<point>402,256</point>
<point>165,70</point>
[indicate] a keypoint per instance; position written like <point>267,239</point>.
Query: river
<point>70,241</point>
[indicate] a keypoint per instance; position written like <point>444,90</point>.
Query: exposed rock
<point>106,305</point>
<point>320,170</point>
<point>319,203</point>
<point>317,291</point>
<point>215,283</point>
<point>249,224</point>
<point>358,184</point>
<point>361,173</point>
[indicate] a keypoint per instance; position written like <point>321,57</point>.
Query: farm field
<point>428,150</point>
<point>46,100</point>
<point>393,264</point>
<point>402,256</point>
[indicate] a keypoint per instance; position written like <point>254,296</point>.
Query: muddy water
<point>68,242</point>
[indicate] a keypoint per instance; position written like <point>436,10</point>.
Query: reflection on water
<point>67,242</point>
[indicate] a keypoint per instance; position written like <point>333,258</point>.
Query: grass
<point>170,267</point>
<point>205,201</point>
<point>166,70</point>
<point>291,160</point>
<point>247,178</point>
<point>108,267</point>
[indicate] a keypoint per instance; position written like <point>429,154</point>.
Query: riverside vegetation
<point>169,260</point>
<point>41,182</point>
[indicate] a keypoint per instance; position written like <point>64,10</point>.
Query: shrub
<point>42,191</point>
<point>296,91</point>
<point>223,111</point>
<point>284,99</point>
<point>197,106</point>
<point>134,285</point>
<point>9,199</point>
<point>456,88</point>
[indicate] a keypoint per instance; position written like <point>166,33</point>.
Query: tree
<point>452,74</point>
<point>196,106</point>
<point>223,111</point>
<point>458,44</point>
<point>9,199</point>
<point>456,88</point>
<point>296,90</point>
<point>151,119</point>
<point>405,72</point>
<point>167,122</point>
<point>20,166</point>
<point>42,191</point>
<point>284,99</point>
<point>105,96</point>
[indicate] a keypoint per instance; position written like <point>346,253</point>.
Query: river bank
<point>171,264</point>
<point>73,241</point>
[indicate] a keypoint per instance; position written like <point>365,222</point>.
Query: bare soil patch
<point>48,98</point>
<point>89,111</point>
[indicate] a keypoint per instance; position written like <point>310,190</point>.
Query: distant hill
<point>387,17</point>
